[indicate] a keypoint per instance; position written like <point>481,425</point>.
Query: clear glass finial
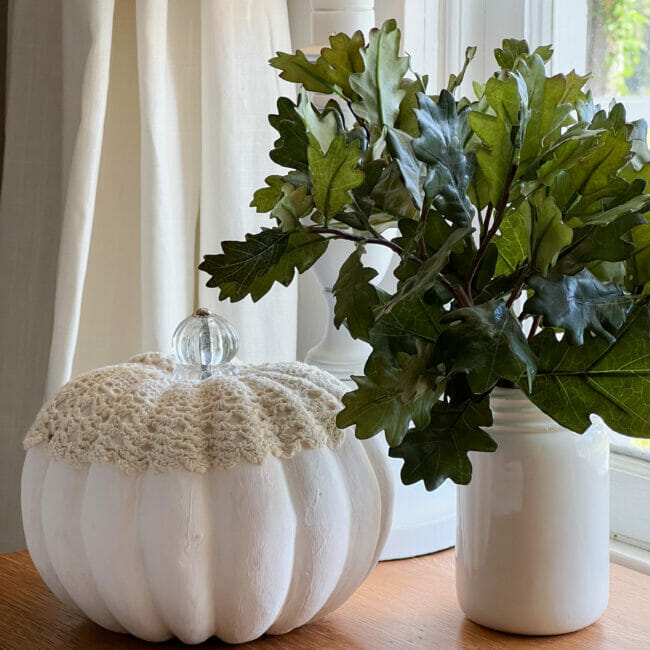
<point>204,344</point>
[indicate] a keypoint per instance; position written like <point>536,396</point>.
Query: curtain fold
<point>136,135</point>
<point>169,72</point>
<point>237,39</point>
<point>87,30</point>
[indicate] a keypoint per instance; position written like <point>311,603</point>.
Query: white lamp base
<point>423,522</point>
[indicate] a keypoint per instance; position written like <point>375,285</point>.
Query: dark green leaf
<point>407,321</point>
<point>486,345</point>
<point>355,296</point>
<point>426,275</point>
<point>639,264</point>
<point>440,145</point>
<point>400,146</point>
<point>390,197</point>
<point>290,149</point>
<point>418,378</point>
<point>610,379</point>
<point>252,266</point>
<point>578,304</point>
<point>375,405</point>
<point>611,243</point>
<point>439,451</point>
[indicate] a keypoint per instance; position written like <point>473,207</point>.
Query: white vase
<point>423,522</point>
<point>532,546</point>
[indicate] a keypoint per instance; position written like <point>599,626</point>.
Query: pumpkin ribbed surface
<point>138,416</point>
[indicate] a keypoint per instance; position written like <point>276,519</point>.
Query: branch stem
<point>519,285</point>
<point>500,213</point>
<point>341,234</point>
<point>534,326</point>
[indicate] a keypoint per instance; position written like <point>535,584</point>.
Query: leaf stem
<point>361,122</point>
<point>423,220</point>
<point>534,326</point>
<point>488,217</point>
<point>516,290</point>
<point>322,230</point>
<point>456,291</point>
<point>500,213</point>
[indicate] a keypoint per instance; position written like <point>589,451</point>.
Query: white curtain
<point>136,135</point>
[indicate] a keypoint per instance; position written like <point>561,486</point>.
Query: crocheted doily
<point>138,416</point>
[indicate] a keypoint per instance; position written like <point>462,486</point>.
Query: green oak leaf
<point>498,286</point>
<point>344,58</point>
<point>375,404</point>
<point>378,85</point>
<point>443,131</point>
<point>610,243</point>
<point>265,198</point>
<point>513,244</point>
<point>637,205</point>
<point>355,297</point>
<point>323,126</point>
<point>609,272</point>
<point>251,267</point>
<point>439,451</point>
<point>580,168</point>
<point>455,80</point>
<point>390,197</point>
<point>407,122</point>
<point>495,158</point>
<point>317,77</point>
<point>417,378</point>
<point>294,204</point>
<point>409,320</point>
<point>426,275</point>
<point>333,174</point>
<point>533,232</point>
<point>290,149</point>
<point>611,379</point>
<point>400,146</point>
<point>545,114</point>
<point>578,303</point>
<point>573,90</point>
<point>487,344</point>
<point>639,264</point>
<point>513,51</point>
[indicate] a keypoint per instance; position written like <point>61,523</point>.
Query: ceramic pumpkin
<point>193,498</point>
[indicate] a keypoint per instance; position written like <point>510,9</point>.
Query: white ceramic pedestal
<point>423,522</point>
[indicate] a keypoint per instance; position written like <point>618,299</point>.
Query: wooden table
<point>406,604</point>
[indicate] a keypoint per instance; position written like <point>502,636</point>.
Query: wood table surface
<point>404,604</point>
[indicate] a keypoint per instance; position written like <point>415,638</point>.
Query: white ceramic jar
<point>532,546</point>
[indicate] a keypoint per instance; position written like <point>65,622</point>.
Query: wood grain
<point>405,604</point>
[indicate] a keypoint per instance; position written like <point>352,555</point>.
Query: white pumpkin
<point>164,506</point>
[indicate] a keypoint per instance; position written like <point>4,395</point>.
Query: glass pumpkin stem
<point>204,344</point>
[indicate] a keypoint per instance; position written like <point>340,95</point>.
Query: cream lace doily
<point>138,416</point>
